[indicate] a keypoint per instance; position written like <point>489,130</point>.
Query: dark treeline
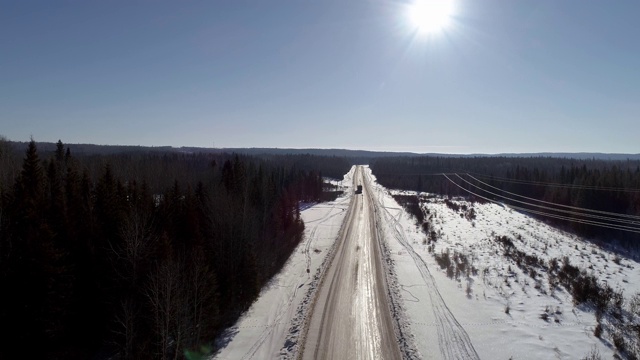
<point>141,255</point>
<point>187,168</point>
<point>583,182</point>
<point>330,166</point>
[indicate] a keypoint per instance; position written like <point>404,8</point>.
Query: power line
<point>560,217</point>
<point>636,220</point>
<point>549,184</point>
<point>555,216</point>
<point>629,222</point>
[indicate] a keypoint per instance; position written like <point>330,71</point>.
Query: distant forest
<point>356,156</point>
<point>606,186</point>
<point>141,254</point>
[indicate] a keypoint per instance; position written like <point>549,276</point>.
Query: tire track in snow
<point>295,342</point>
<point>350,318</point>
<point>400,321</point>
<point>312,235</point>
<point>265,334</point>
<point>453,340</point>
<point>251,352</point>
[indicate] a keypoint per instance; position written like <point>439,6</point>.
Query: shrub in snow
<point>558,311</point>
<point>594,354</point>
<point>633,351</point>
<point>617,259</point>
<point>450,272</point>
<point>597,332</point>
<point>411,204</point>
<point>634,305</point>
<point>451,205</point>
<point>433,236</point>
<point>444,260</point>
<point>617,301</point>
<point>618,341</point>
<point>553,281</point>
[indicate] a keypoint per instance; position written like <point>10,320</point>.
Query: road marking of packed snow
<point>351,318</point>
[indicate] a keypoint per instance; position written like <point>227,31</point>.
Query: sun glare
<point>430,16</point>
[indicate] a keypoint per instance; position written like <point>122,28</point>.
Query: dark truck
<point>359,190</point>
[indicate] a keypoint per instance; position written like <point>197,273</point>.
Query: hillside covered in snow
<point>520,288</point>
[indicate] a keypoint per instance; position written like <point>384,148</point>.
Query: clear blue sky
<point>503,76</point>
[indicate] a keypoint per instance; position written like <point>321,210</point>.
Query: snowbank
<point>269,329</point>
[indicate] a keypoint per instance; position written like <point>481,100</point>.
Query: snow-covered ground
<point>443,317</point>
<point>270,328</point>
<point>479,302</point>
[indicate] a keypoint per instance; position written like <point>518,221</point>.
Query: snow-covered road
<point>364,284</point>
<point>351,317</point>
<point>270,328</point>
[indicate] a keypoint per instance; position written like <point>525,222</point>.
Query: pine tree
<point>59,151</point>
<point>67,156</point>
<point>38,279</point>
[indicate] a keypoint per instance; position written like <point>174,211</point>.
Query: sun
<point>430,16</point>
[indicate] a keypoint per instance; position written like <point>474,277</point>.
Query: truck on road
<point>359,189</point>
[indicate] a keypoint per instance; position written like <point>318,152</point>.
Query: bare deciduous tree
<point>164,293</point>
<point>126,327</point>
<point>137,236</point>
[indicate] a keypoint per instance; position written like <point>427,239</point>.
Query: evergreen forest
<point>604,187</point>
<point>141,255</point>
